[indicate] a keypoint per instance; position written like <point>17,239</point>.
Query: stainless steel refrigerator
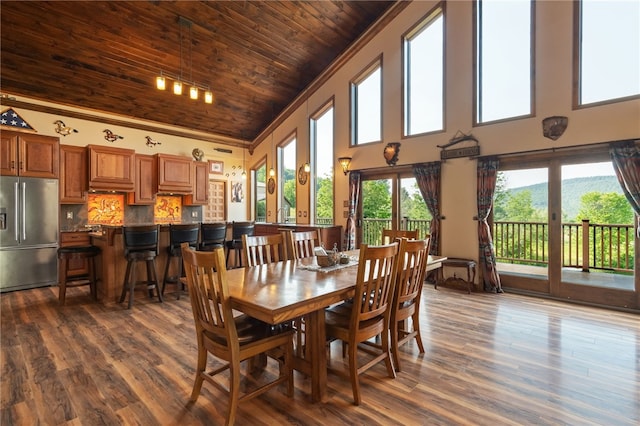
<point>28,232</point>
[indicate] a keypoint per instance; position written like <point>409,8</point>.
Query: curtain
<point>354,195</point>
<point>626,162</point>
<point>487,173</point>
<point>428,178</point>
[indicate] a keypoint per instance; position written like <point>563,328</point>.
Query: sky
<point>519,178</point>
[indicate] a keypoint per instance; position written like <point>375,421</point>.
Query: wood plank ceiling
<point>257,56</point>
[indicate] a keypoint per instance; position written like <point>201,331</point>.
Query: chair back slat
<point>412,264</point>
<point>389,235</point>
<point>206,275</point>
<point>264,249</point>
<point>375,282</point>
<point>302,243</point>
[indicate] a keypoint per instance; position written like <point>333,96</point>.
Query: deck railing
<point>372,228</point>
<point>585,245</point>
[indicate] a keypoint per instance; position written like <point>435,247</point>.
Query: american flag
<point>10,118</point>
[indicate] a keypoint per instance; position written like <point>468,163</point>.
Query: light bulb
<point>193,92</point>
<point>161,83</point>
<point>307,167</point>
<point>208,97</point>
<point>177,88</point>
<point>272,172</point>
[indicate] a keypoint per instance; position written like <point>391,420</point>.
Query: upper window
<point>259,192</point>
<point>504,59</point>
<point>366,105</point>
<point>609,50</point>
<point>287,161</point>
<point>423,61</point>
<point>322,142</point>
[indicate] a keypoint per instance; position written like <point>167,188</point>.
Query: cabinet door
<point>8,154</point>
<point>73,174</point>
<point>145,189</point>
<point>38,156</point>
<point>174,174</point>
<point>111,169</point>
<point>198,196</point>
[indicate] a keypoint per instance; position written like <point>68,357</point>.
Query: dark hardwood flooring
<point>490,360</point>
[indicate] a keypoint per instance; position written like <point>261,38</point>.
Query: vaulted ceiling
<point>256,56</point>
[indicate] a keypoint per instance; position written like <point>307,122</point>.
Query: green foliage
<point>324,197</point>
<point>289,189</point>
<point>609,208</point>
<point>376,199</point>
<point>413,205</point>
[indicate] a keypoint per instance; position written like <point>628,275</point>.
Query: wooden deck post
<point>585,245</point>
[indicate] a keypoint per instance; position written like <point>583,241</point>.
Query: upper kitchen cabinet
<point>175,174</point>
<point>29,155</point>
<point>73,174</point>
<point>198,196</point>
<point>146,182</point>
<point>111,169</point>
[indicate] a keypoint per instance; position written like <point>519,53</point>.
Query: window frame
<point>261,162</point>
<point>477,95</point>
<point>425,21</point>
<point>313,193</point>
<point>291,138</point>
<point>372,67</point>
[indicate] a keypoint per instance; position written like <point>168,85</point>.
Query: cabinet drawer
<point>68,239</point>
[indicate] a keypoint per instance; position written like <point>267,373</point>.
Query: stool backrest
<point>140,238</point>
<point>179,234</point>
<point>238,229</point>
<point>212,235</point>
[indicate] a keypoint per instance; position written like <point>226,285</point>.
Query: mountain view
<point>572,192</point>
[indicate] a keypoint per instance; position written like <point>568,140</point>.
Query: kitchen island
<point>111,264</point>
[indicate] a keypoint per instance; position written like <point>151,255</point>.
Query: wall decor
<point>11,119</point>
<point>469,151</point>
<point>271,185</point>
<point>63,129</point>
<point>197,154</point>
<point>152,142</point>
<point>303,176</point>
<point>110,136</point>
<point>391,152</point>
<point>216,167</point>
<point>554,127</point>
<point>237,194</point>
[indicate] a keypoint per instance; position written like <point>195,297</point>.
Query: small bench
<point>453,262</point>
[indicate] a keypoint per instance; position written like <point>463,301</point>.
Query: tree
<point>376,200</point>
<point>605,208</point>
<point>324,197</point>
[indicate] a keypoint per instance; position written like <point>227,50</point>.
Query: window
<point>366,105</point>
<point>322,143</point>
<point>504,59</point>
<point>287,173</point>
<point>609,50</point>
<point>423,61</point>
<point>260,192</point>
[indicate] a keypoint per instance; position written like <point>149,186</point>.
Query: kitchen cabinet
<point>111,169</point>
<point>146,181</point>
<point>199,196</point>
<point>73,239</point>
<point>175,174</point>
<point>73,174</point>
<point>28,155</point>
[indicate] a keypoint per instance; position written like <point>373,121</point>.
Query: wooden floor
<point>491,359</point>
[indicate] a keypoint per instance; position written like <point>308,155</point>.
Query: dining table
<point>281,292</point>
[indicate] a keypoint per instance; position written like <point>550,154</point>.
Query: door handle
<point>24,206</point>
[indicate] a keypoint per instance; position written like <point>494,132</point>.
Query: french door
<point>566,231</point>
<point>390,201</point>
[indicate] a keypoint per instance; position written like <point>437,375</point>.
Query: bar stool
<point>179,234</point>
<point>140,245</point>
<point>65,254</point>
<point>212,236</point>
<point>238,229</point>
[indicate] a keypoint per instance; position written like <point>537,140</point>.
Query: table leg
<point>317,354</point>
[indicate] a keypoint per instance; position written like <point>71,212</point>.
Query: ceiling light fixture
<point>178,80</point>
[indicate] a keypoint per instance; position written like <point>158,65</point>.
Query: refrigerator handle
<point>16,210</point>
<point>24,209</point>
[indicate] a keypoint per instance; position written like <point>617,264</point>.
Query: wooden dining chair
<point>228,338</point>
<point>302,243</point>
<point>367,315</point>
<point>412,264</point>
<point>263,249</point>
<point>389,235</point>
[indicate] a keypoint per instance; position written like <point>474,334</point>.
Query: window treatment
<point>354,195</point>
<point>487,173</point>
<point>626,162</point>
<point>428,178</point>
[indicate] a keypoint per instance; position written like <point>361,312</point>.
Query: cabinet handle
<point>13,164</point>
<point>21,165</point>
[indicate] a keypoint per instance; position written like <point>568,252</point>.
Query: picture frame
<point>237,192</point>
<point>216,167</point>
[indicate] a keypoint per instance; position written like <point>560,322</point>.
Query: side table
<point>453,262</point>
